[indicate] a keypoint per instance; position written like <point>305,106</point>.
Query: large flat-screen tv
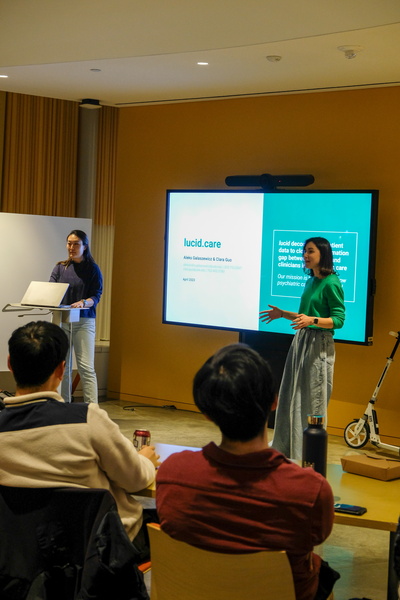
<point>229,254</point>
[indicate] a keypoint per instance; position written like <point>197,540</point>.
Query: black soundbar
<point>269,182</point>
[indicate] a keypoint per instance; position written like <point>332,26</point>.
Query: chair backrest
<point>184,572</point>
<point>64,542</point>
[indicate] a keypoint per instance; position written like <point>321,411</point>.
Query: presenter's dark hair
<point>85,241</point>
<point>235,389</point>
<point>35,350</point>
<point>326,260</point>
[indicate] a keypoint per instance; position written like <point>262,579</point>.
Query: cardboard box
<point>370,465</point>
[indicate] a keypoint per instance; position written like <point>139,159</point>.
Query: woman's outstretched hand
<point>302,321</point>
<point>266,316</point>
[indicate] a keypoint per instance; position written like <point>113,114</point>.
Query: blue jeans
<point>83,344</point>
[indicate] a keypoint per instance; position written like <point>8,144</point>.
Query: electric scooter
<point>359,432</point>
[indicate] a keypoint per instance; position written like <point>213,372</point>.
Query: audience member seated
<point>242,495</point>
<point>45,442</point>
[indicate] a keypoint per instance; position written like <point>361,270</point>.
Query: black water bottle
<point>315,444</point>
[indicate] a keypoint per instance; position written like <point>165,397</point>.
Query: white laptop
<point>46,294</point>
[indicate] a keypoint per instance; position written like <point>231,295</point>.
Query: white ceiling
<point>146,51</point>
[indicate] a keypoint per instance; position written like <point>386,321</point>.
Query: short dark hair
<point>235,388</point>
<point>326,260</point>
<point>36,350</point>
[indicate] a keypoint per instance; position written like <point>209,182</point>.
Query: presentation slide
<point>231,254</point>
<point>214,259</point>
<point>344,220</point>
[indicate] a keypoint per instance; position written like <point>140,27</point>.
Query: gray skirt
<point>305,389</point>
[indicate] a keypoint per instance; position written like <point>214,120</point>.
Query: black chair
<point>65,544</point>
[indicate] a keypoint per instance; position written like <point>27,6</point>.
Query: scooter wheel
<point>353,439</point>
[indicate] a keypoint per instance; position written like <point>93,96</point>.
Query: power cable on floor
<point>132,408</point>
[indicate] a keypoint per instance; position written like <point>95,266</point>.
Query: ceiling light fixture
<point>4,76</point>
<point>96,70</point>
<point>202,64</point>
<point>90,103</point>
<point>350,51</point>
<point>274,58</point>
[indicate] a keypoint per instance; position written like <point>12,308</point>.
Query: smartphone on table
<point>349,509</point>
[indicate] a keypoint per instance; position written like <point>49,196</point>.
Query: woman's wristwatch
<point>84,302</point>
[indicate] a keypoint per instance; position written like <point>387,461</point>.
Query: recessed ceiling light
<point>274,58</point>
<point>203,64</point>
<point>4,76</point>
<point>96,70</point>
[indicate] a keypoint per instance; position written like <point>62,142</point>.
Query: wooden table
<point>381,498</point>
<point>382,501</point>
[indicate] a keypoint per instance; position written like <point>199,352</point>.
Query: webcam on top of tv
<point>269,182</point>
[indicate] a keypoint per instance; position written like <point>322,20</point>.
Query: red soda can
<point>141,437</point>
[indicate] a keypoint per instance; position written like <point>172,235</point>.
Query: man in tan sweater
<point>45,442</point>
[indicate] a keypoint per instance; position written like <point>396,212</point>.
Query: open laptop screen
<point>44,293</point>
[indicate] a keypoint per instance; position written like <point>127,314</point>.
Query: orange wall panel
<point>346,139</point>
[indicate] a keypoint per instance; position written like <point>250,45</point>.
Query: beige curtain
<point>3,97</point>
<point>40,156</point>
<point>103,228</point>
<point>106,166</point>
